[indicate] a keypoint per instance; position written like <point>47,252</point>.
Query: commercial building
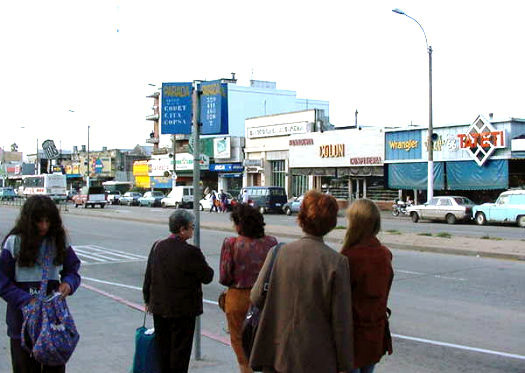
<point>476,160</point>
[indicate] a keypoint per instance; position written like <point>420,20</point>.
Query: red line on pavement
<point>140,307</point>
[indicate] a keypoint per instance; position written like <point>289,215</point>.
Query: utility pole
<point>87,177</point>
<point>174,175</point>
<point>196,196</point>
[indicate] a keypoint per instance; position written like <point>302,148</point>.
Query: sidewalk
<point>491,248</point>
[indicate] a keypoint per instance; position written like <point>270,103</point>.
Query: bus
<point>52,185</point>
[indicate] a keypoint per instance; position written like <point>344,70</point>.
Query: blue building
<point>263,98</point>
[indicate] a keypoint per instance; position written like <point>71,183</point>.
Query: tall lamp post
<point>87,163</point>
<point>430,144</point>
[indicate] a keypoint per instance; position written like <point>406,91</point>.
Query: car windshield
<point>157,194</point>
<point>277,192</point>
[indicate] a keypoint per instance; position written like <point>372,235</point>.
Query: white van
<point>180,196</point>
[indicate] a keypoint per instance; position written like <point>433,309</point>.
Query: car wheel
<point>521,221</point>
<point>481,219</point>
<point>395,212</point>
<point>262,210</point>
<point>163,205</point>
<point>415,217</point>
<point>102,205</point>
<point>288,211</point>
<point>201,208</point>
<point>177,205</point>
<point>451,218</point>
<point>85,205</point>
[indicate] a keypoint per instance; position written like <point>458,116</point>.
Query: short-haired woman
<point>173,292</point>
<point>241,260</point>
<point>38,227</point>
<point>306,321</point>
<point>372,275</point>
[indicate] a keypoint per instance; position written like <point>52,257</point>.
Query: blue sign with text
<point>214,108</point>
<point>226,167</point>
<point>176,108</point>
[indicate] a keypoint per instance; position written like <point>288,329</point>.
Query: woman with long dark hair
<point>38,226</point>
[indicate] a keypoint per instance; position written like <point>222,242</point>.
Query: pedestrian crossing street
<point>94,254</point>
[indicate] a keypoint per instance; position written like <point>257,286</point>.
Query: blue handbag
<point>146,358</point>
<point>48,330</point>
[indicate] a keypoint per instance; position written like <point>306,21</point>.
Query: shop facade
<point>474,160</point>
<point>346,163</point>
<point>267,144</point>
<point>228,163</point>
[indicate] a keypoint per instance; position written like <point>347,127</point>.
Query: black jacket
<point>172,284</point>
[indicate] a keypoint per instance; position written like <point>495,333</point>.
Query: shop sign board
<point>185,162</point>
<point>276,130</point>
<point>253,163</point>
<point>214,107</point>
<point>222,147</point>
<point>226,167</point>
<point>176,110</point>
<point>339,148</point>
<point>403,145</point>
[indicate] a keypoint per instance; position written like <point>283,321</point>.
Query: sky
<point>98,58</point>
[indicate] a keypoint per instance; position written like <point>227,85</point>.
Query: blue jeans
<point>367,369</point>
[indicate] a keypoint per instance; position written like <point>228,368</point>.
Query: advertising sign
<point>481,139</point>
<point>276,130</point>
<point>176,108</point>
<point>214,108</point>
<point>222,147</point>
<point>50,149</point>
<point>403,145</point>
<point>226,167</point>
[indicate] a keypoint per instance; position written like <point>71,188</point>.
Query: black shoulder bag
<point>251,322</point>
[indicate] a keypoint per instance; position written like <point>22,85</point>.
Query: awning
<point>414,176</point>
<point>467,175</point>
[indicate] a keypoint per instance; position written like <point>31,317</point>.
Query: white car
<point>448,208</point>
<point>180,196</point>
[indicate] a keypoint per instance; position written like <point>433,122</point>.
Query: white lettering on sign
<point>277,130</point>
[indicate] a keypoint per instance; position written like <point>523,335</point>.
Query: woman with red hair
<point>306,322</point>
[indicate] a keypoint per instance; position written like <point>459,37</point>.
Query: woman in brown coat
<point>372,275</point>
<point>306,323</point>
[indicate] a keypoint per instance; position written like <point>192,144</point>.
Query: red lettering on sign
<point>485,139</point>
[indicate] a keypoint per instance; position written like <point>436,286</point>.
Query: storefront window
<point>299,184</point>
<point>278,173</point>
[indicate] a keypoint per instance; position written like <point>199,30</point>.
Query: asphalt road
<point>450,313</point>
<point>389,222</point>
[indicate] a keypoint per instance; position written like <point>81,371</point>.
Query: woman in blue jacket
<point>38,225</point>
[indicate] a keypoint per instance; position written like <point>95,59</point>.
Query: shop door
<point>256,179</point>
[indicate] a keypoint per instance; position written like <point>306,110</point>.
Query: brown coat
<point>306,322</point>
<point>372,275</point>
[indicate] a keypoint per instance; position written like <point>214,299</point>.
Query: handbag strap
<point>46,264</point>
<point>266,284</point>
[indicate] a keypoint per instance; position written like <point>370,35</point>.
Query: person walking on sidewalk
<point>224,201</point>
<point>173,292</point>
<point>371,279</point>
<point>241,260</point>
<point>306,321</point>
<point>214,202</point>
<point>38,227</point>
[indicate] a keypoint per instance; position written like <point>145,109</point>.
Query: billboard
<point>176,110</point>
<point>214,107</point>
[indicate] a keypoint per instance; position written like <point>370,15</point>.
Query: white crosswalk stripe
<point>94,254</point>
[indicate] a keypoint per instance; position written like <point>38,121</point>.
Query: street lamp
<point>430,144</point>
<point>87,165</point>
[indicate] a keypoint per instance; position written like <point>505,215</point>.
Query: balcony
<point>154,117</point>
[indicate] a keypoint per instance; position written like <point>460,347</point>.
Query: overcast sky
<point>97,58</point>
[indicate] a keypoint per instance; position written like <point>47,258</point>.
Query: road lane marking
<point>217,338</point>
<point>459,347</point>
<point>430,274</point>
<point>94,254</point>
<point>134,287</point>
<point>141,308</point>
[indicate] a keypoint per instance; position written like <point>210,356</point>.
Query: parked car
<point>205,203</point>
<point>447,208</point>
<point>180,196</point>
<point>114,197</point>
<point>293,206</point>
<point>130,198</point>
<point>267,198</point>
<point>151,199</point>
<point>7,194</point>
<point>508,208</point>
<point>90,196</point>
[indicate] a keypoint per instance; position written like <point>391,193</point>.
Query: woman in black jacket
<point>173,291</point>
